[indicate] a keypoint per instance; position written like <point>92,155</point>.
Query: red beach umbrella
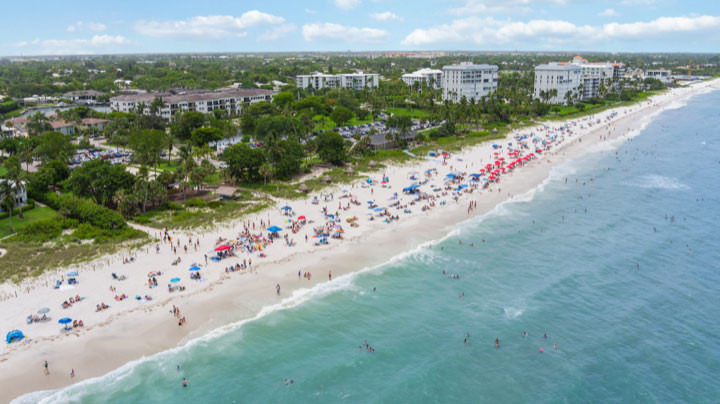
<point>223,247</point>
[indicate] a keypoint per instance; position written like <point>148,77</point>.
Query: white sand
<point>131,329</point>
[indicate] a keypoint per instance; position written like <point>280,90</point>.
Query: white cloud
<point>90,26</point>
<point>501,6</point>
<point>277,32</point>
<point>609,13</point>
<point>325,31</point>
<point>96,44</point>
<point>386,16</point>
<point>492,32</point>
<point>347,4</point>
<point>211,26</point>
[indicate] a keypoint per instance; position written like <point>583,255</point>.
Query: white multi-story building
<point>430,77</point>
<point>594,75</point>
<point>231,100</point>
<point>355,81</point>
<point>20,197</point>
<point>468,80</point>
<point>555,76</point>
<point>662,75</point>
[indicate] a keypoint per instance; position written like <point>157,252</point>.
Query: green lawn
<point>33,215</point>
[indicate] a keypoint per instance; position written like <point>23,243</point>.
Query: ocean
<point>614,259</point>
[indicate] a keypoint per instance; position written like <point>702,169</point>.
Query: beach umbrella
<point>65,320</point>
<point>378,210</point>
<point>194,268</point>
<point>274,229</point>
<point>301,218</point>
<point>286,208</point>
<point>223,247</point>
<point>463,186</point>
<point>73,273</point>
<point>43,310</point>
<point>175,280</point>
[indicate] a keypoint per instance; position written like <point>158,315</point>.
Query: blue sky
<point>129,26</point>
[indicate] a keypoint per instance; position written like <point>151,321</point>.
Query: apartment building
<point>356,81</point>
<point>231,100</point>
<point>663,75</point>
<point>430,77</point>
<point>468,80</point>
<point>555,76</point>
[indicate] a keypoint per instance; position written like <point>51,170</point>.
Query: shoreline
<point>131,334</point>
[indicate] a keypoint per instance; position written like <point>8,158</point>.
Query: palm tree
<point>171,141</point>
<point>16,179</point>
<point>266,171</point>
<point>8,198</point>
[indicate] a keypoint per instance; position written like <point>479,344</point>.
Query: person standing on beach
<point>330,275</point>
<point>47,371</point>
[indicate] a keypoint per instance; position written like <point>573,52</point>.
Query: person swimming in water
<point>497,342</point>
<point>524,334</point>
<point>184,382</point>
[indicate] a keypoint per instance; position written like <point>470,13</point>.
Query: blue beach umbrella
<point>43,310</point>
<point>194,268</point>
<point>286,208</point>
<point>73,273</point>
<point>175,280</point>
<point>65,320</point>
<point>463,186</point>
<point>274,229</point>
<point>378,210</point>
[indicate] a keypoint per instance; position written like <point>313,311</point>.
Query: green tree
<point>54,146</point>
<point>266,170</point>
<point>341,115</point>
<point>8,198</point>
<point>147,145</point>
<point>331,148</point>
<point>15,176</point>
<point>243,162</point>
<point>205,135</point>
<point>99,180</point>
<point>186,123</point>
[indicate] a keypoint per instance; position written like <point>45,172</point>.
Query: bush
<point>195,202</point>
<point>86,211</point>
<point>214,204</point>
<point>40,231</point>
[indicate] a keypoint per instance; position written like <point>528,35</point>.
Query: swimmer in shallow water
<point>184,382</point>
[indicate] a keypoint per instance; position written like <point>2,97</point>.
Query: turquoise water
<point>564,262</point>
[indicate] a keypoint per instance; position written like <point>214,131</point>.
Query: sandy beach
<point>131,328</point>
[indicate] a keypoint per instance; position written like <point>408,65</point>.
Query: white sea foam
<point>659,182</point>
<point>512,312</point>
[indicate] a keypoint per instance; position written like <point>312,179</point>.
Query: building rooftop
<point>175,96</point>
<point>470,66</point>
<point>558,66</point>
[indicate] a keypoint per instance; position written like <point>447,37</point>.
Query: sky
<point>31,27</point>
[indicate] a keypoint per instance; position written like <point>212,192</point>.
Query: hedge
<point>30,206</point>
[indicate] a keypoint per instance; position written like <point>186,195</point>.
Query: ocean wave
<point>659,182</point>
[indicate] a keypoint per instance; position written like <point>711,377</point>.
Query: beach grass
<point>23,259</point>
<point>197,213</point>
<point>31,216</point>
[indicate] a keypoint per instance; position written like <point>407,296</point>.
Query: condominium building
<point>468,80</point>
<point>355,81</point>
<point>594,75</point>
<point>555,76</point>
<point>662,75</point>
<point>231,100</point>
<point>430,77</point>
